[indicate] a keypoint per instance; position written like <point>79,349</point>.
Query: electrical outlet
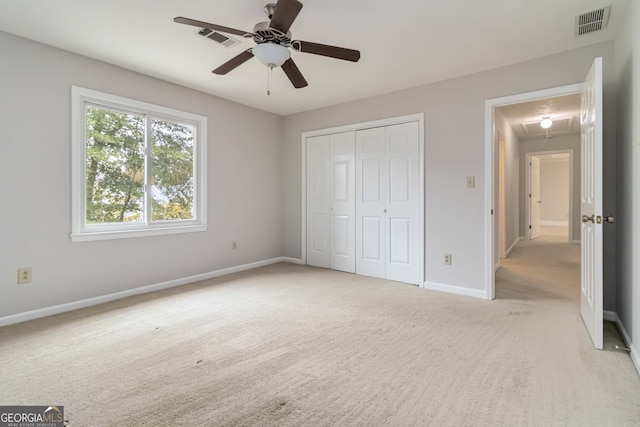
<point>234,245</point>
<point>24,275</point>
<point>447,259</point>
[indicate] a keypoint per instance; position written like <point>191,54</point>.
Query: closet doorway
<point>363,198</point>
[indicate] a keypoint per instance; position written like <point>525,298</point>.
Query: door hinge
<point>491,211</point>
<point>529,195</point>
<point>529,227</point>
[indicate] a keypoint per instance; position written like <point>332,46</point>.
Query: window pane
<point>115,166</point>
<point>171,170</point>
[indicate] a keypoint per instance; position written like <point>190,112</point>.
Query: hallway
<point>547,270</point>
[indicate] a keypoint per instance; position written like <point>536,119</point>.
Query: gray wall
<point>554,191</point>
<point>628,213</point>
<point>511,184</point>
<point>244,184</point>
<point>537,145</point>
<point>454,148</point>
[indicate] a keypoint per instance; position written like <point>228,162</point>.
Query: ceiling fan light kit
<point>273,40</point>
<point>271,54</point>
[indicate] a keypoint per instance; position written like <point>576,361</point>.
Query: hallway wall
<point>554,192</point>
<point>511,184</point>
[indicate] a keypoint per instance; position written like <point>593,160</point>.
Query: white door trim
<point>418,117</point>
<point>489,174</point>
<point>530,154</point>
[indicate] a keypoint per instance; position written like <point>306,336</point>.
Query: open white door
<point>534,198</point>
<point>591,203</point>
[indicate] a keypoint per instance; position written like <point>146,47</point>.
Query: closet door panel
<point>371,170</point>
<point>342,208</point>
<point>402,200</point>
<point>318,201</point>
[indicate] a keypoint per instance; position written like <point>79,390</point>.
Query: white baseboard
<point>291,260</point>
<point>75,305</point>
<point>455,290</point>
<point>635,355</point>
<point>555,223</point>
<point>576,242</point>
<point>512,247</point>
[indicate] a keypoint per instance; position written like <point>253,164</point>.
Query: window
<point>138,169</point>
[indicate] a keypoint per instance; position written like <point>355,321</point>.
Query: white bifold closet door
<point>388,202</point>
<point>331,201</point>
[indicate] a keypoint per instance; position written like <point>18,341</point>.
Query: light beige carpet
<point>288,345</point>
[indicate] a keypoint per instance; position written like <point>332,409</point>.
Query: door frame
<point>417,117</point>
<point>489,168</point>
<point>530,154</point>
<point>501,209</point>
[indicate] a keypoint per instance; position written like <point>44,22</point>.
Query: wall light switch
<point>471,182</point>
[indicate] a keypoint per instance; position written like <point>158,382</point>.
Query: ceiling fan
<point>273,40</point>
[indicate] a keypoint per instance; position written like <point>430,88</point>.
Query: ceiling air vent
<point>219,38</point>
<point>594,20</point>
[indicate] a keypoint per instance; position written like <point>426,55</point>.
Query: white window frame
<point>80,231</point>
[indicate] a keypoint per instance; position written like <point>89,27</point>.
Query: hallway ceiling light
<point>546,122</point>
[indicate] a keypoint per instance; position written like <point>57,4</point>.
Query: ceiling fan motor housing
<point>263,33</point>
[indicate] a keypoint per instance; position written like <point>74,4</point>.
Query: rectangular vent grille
<point>594,20</point>
<point>219,38</point>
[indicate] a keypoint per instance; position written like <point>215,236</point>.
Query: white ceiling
<point>525,117</point>
<point>404,43</point>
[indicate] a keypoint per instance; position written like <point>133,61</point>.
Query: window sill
<point>126,234</point>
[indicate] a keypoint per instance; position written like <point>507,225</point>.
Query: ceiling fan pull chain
<point>269,80</point>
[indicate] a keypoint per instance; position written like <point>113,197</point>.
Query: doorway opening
<point>534,173</point>
<point>516,137</point>
<point>534,184</point>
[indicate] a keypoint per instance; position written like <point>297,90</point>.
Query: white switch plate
<point>471,182</point>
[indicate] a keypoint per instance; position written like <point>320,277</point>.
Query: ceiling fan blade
<point>293,72</point>
<point>234,62</point>
<point>201,24</point>
<point>326,50</point>
<point>284,15</point>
